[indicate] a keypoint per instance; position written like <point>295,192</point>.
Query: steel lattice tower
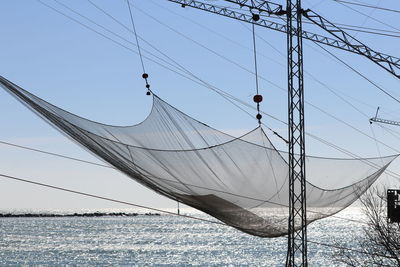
<point>297,238</point>
<point>297,222</point>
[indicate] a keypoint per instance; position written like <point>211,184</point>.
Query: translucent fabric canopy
<point>241,181</point>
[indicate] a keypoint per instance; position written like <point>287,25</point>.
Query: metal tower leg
<point>297,239</point>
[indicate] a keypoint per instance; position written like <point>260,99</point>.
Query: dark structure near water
<point>393,205</point>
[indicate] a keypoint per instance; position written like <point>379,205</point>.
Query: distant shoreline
<point>89,214</point>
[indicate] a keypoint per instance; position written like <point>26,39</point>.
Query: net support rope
<point>145,76</point>
<point>241,181</point>
<point>195,79</point>
<point>172,213</point>
<point>111,167</point>
<point>257,98</point>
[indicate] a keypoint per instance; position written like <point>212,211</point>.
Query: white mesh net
<point>240,181</point>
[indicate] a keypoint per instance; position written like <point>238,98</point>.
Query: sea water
<point>164,240</point>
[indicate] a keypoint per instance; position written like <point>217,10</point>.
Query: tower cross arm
<point>350,43</point>
<point>265,7</point>
<point>380,120</point>
<point>342,40</point>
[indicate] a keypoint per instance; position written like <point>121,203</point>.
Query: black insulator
<point>258,116</point>
<point>183,5</point>
<point>148,93</point>
<point>258,98</point>
<point>145,76</point>
<point>256,17</point>
<point>147,86</point>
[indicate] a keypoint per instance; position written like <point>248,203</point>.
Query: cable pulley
<point>256,17</point>
<point>145,76</point>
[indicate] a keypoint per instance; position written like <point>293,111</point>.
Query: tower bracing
<point>297,236</point>
<point>262,10</point>
<point>385,121</point>
<point>170,152</point>
<point>297,224</point>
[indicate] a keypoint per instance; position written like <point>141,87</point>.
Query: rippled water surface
<point>158,241</point>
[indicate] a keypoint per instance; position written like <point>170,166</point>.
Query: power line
<point>136,36</point>
<point>196,79</point>
<point>362,29</point>
<point>169,212</point>
<point>56,154</point>
<point>376,30</point>
<point>119,36</point>
<point>223,57</point>
<point>145,76</point>
<point>360,74</point>
<point>356,29</point>
<point>106,198</point>
<point>222,93</point>
<point>368,6</point>
<point>193,78</point>
<point>86,194</point>
<point>207,85</point>
<point>153,177</point>
<point>327,113</point>
<point>228,97</point>
<point>158,178</point>
<point>225,94</point>
<point>365,15</point>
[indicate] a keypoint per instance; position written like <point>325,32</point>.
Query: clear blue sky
<point>87,74</point>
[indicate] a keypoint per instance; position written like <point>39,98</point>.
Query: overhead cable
<point>136,36</point>
<point>365,15</point>
<point>360,74</point>
<point>157,178</point>
<point>362,29</point>
<point>195,79</point>
<point>167,212</point>
<point>368,6</point>
<point>105,198</point>
<point>145,75</point>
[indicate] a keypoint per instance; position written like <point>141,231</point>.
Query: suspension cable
<point>171,213</point>
<point>145,76</point>
<point>345,4</point>
<point>368,6</point>
<point>255,57</point>
<point>202,187</point>
<point>361,75</point>
<point>222,93</point>
<point>140,206</point>
<point>195,79</point>
<point>257,98</point>
<point>146,81</point>
<point>105,198</point>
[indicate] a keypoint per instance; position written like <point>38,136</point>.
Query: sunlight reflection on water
<point>158,241</point>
